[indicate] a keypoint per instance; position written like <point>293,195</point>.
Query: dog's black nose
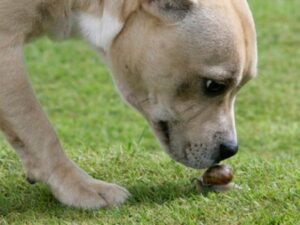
<point>227,150</point>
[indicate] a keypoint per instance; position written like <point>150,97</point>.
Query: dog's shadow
<point>38,198</point>
<point>161,193</point>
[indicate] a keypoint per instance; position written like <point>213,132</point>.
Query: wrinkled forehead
<point>213,41</point>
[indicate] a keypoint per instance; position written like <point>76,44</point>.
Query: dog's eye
<point>214,88</point>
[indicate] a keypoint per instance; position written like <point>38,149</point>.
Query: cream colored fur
<point>159,52</point>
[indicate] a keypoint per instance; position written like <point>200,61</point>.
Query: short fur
<point>160,53</point>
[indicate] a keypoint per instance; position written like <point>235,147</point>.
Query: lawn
<point>112,142</point>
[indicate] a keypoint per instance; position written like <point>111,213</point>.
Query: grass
<point>112,142</point>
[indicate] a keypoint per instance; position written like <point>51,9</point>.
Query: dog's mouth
<point>163,130</point>
<point>180,151</point>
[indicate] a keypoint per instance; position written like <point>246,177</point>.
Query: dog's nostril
<point>227,150</point>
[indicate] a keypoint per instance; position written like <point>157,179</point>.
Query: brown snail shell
<point>217,175</point>
<point>202,188</point>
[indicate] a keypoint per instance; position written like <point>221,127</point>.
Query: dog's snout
<point>228,149</point>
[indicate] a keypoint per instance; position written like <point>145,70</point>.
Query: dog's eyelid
<point>225,81</point>
<point>217,73</point>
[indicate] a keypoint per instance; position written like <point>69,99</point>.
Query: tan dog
<point>179,62</point>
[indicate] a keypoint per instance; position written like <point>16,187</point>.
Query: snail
<point>217,178</point>
<point>218,175</point>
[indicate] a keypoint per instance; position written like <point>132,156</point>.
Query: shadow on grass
<point>161,193</point>
<point>35,198</point>
<point>38,198</point>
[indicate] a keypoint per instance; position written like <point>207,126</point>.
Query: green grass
<point>112,142</point>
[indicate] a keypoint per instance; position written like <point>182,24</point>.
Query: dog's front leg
<point>29,132</point>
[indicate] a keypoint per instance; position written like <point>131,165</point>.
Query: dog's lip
<point>161,128</point>
<point>166,143</point>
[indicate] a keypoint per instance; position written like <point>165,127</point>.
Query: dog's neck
<point>99,22</point>
<point>98,28</point>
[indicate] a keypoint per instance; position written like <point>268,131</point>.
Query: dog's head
<point>181,63</point>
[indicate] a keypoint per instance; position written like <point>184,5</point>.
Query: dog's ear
<point>168,10</point>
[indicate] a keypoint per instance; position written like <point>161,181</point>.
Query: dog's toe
<point>79,190</point>
<point>112,194</point>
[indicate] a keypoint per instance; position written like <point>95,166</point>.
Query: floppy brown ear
<point>168,10</point>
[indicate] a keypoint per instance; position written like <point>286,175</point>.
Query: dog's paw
<point>112,194</point>
<point>75,188</point>
<point>91,195</point>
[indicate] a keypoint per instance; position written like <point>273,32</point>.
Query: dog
<point>180,63</point>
